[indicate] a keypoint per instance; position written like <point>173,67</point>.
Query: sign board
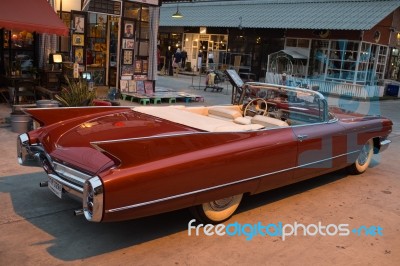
<point>147,2</point>
<point>234,78</point>
<point>109,7</point>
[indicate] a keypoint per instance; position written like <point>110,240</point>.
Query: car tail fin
<point>48,116</point>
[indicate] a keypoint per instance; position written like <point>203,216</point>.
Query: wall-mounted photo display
<point>138,66</point>
<point>140,87</point>
<point>79,23</point>
<point>78,39</point>
<point>124,85</point>
<point>129,30</point>
<point>127,57</point>
<point>127,70</point>
<point>97,47</point>
<point>78,55</point>
<point>128,43</point>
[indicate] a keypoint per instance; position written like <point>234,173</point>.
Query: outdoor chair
<point>24,89</point>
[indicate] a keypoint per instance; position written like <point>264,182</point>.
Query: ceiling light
<point>177,14</point>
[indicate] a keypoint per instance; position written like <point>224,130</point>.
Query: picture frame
<point>129,30</point>
<point>101,19</point>
<point>79,23</point>
<point>127,70</point>
<point>138,66</point>
<point>78,39</point>
<point>128,43</point>
<point>103,47</point>
<point>124,85</point>
<point>127,57</point>
<point>97,47</point>
<point>78,55</point>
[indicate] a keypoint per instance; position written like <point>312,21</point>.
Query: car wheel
<point>363,159</point>
<point>217,211</point>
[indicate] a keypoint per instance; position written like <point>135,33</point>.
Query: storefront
<point>114,42</point>
<point>21,23</point>
<point>351,43</point>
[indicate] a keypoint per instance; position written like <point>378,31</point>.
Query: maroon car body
<point>130,162</point>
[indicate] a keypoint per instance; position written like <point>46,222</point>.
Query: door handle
<point>302,137</point>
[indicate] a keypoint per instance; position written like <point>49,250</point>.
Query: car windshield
<point>297,105</point>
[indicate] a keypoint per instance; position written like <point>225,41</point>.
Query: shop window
<point>19,51</point>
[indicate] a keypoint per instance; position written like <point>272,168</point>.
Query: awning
<point>31,15</point>
<point>282,14</point>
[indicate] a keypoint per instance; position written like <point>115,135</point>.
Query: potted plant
<point>76,94</point>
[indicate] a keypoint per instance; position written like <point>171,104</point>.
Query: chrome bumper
<point>86,187</point>
<point>27,155</point>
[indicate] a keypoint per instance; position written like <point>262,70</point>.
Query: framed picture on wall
<point>79,55</point>
<point>127,70</point>
<point>78,39</point>
<point>97,47</point>
<point>127,57</point>
<point>128,43</point>
<point>129,29</point>
<point>79,23</point>
<point>138,66</point>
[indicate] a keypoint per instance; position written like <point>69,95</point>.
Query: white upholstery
<point>243,120</point>
<point>223,119</point>
<point>184,117</point>
<point>268,121</point>
<point>224,112</point>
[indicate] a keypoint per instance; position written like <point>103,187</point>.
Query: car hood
<point>71,142</point>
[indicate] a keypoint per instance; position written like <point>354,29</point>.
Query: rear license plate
<point>55,187</point>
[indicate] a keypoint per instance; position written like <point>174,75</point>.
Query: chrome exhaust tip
<point>44,184</point>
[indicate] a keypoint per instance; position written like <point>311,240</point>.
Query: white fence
<point>329,87</point>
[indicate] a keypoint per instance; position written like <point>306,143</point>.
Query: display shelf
<point>96,49</point>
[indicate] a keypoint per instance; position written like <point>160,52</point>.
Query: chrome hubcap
<point>363,157</point>
<point>221,204</point>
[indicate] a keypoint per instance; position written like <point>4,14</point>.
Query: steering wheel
<point>256,107</point>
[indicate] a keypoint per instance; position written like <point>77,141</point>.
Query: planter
<point>47,104</point>
<point>20,122</point>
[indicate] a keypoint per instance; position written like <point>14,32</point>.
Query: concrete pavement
<point>39,229</point>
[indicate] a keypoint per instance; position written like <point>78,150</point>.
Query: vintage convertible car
<point>129,162</point>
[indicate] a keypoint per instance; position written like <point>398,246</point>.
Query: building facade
<point>352,42</point>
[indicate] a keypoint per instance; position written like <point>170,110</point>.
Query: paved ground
<point>39,229</point>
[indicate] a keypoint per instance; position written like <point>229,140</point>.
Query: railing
<point>329,87</point>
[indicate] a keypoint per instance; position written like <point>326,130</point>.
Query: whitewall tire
<point>363,159</point>
<point>217,211</point>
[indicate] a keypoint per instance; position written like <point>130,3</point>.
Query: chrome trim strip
<point>70,173</point>
<point>65,183</point>
<point>219,186</point>
<point>93,200</point>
